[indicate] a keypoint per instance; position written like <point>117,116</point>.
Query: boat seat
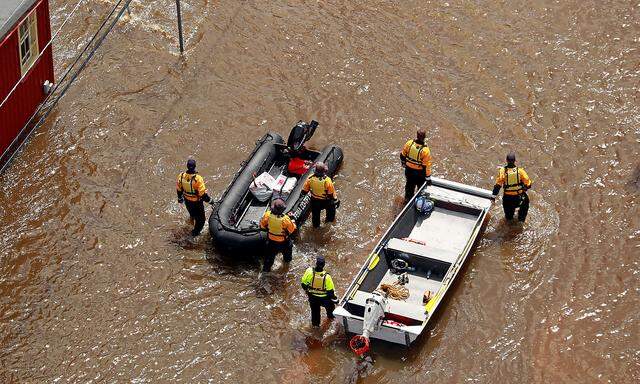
<point>422,250</point>
<point>408,310</point>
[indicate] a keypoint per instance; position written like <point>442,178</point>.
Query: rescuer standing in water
<point>515,182</point>
<point>280,227</point>
<point>319,287</point>
<point>192,192</point>
<point>416,160</point>
<point>323,194</point>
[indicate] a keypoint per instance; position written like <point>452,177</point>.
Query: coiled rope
<point>395,291</point>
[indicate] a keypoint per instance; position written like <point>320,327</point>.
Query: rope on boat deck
<point>395,291</point>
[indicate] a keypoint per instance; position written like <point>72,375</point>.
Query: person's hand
<point>428,180</point>
<point>336,203</point>
<point>180,200</point>
<point>334,300</point>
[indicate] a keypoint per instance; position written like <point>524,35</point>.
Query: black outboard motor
<point>300,134</point>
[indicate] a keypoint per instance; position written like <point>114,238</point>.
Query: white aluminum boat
<point>421,255</point>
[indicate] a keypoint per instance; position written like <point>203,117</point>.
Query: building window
<point>28,42</point>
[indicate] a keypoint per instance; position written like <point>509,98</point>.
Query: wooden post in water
<point>180,27</point>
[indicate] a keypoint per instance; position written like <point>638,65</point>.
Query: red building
<point>25,31</point>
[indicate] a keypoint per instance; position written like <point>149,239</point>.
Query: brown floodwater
<point>99,281</point>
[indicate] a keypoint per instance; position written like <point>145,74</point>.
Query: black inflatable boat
<point>234,222</point>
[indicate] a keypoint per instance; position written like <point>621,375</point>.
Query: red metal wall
<point>29,94</point>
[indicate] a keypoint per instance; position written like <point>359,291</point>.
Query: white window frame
<point>28,42</point>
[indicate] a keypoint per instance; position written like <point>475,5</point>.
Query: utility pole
<point>180,27</point>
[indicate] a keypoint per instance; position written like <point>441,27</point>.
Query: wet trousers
<point>415,179</point>
<point>315,303</point>
<point>511,202</point>
<point>275,247</point>
<point>317,205</point>
<point>196,211</point>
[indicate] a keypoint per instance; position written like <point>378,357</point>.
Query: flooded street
<point>100,281</point>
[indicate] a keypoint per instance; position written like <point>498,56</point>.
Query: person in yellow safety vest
<point>279,227</point>
<point>416,160</point>
<point>516,182</point>
<point>318,285</point>
<point>192,192</point>
<point>323,194</point>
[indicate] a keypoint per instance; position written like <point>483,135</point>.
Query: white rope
<point>42,51</point>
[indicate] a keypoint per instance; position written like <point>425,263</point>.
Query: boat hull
<point>350,315</point>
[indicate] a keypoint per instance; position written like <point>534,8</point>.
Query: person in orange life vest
<point>280,227</point>
<point>318,285</point>
<point>192,192</point>
<point>516,182</point>
<point>323,194</point>
<point>416,160</point>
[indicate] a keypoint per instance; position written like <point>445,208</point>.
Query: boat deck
<point>445,229</point>
<point>417,286</point>
<point>256,208</point>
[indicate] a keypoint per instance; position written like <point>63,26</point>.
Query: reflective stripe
<point>512,183</point>
<point>413,157</point>
<point>276,227</point>
<point>318,188</point>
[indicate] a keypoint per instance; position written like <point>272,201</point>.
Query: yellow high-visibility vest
<point>276,227</point>
<point>512,181</point>
<point>318,188</point>
<point>413,157</point>
<point>186,183</point>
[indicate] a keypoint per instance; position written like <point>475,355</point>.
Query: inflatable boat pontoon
<point>234,222</point>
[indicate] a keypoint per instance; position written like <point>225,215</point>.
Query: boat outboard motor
<point>373,317</point>
<point>300,134</point>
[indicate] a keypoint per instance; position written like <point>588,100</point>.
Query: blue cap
<point>191,164</point>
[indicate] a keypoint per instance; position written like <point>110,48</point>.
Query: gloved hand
<point>334,300</point>
<point>428,180</point>
<point>180,200</point>
<point>336,203</point>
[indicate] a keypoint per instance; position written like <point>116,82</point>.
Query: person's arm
<point>307,186</point>
<point>328,285</point>
<point>426,161</point>
<point>290,226</point>
<point>526,181</point>
<point>179,190</point>
<point>499,182</point>
<point>331,190</point>
<point>305,282</point>
<point>202,189</point>
<point>405,152</point>
<point>264,222</point>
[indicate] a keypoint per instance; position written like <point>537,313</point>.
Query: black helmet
<point>191,164</point>
<point>319,263</point>
<point>278,206</point>
<point>511,157</point>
